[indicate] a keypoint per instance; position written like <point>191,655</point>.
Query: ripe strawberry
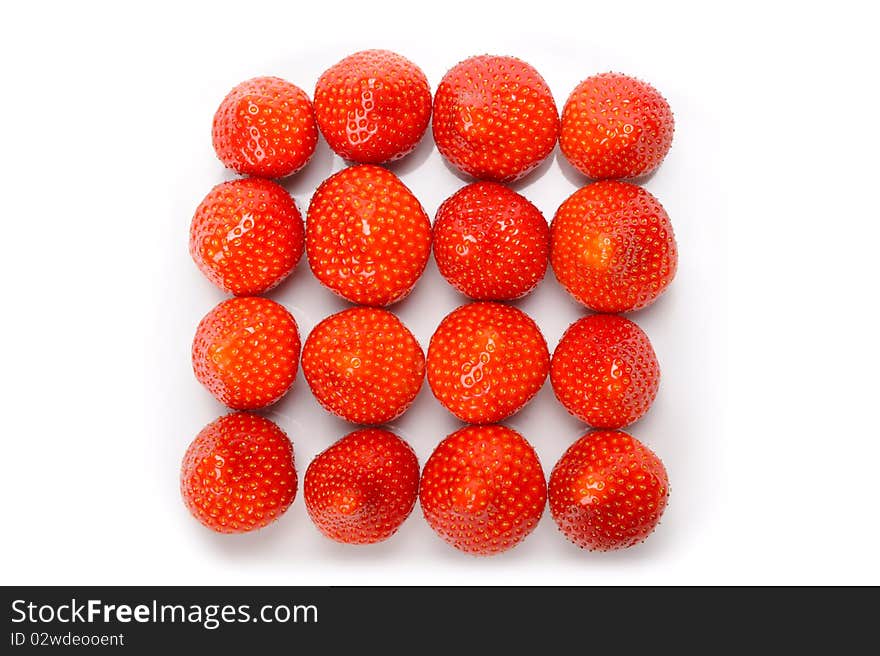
<point>491,243</point>
<point>367,237</point>
<point>612,247</point>
<point>245,352</point>
<point>238,474</point>
<point>247,236</point>
<point>361,489</point>
<point>363,365</point>
<point>265,127</point>
<point>494,118</point>
<point>486,361</point>
<point>608,491</point>
<point>604,371</point>
<point>373,106</point>
<point>483,489</point>
<point>614,126</point>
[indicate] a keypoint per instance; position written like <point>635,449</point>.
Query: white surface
<point>766,338</point>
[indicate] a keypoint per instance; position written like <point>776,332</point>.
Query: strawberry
<point>612,247</point>
<point>604,371</point>
<point>265,127</point>
<point>363,365</point>
<point>483,489</point>
<point>245,352</point>
<point>614,126</point>
<point>238,474</point>
<point>247,236</point>
<point>367,237</point>
<point>486,361</point>
<point>608,491</point>
<point>373,106</point>
<point>490,243</point>
<point>361,489</point>
<point>494,118</point>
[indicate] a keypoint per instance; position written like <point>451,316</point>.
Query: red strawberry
<point>491,243</point>
<point>367,237</point>
<point>483,489</point>
<point>265,127</point>
<point>614,126</point>
<point>373,106</point>
<point>494,118</point>
<point>608,491</point>
<point>238,474</point>
<point>361,489</point>
<point>612,247</point>
<point>245,352</point>
<point>363,365</point>
<point>604,371</point>
<point>247,236</point>
<point>486,361</point>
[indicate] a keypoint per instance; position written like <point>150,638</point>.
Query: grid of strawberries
<point>548,427</point>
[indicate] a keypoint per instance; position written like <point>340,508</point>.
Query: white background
<point>767,339</point>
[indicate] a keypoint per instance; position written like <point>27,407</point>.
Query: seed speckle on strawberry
<point>364,365</point>
<point>608,491</point>
<point>483,489</point>
<point>265,127</point>
<point>367,237</point>
<point>491,243</point>
<point>486,361</point>
<point>362,488</point>
<point>238,474</point>
<point>615,126</point>
<point>373,106</point>
<point>247,236</point>
<point>246,352</point>
<point>612,247</point>
<point>494,118</point>
<point>604,371</point>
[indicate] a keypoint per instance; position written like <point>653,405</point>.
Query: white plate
<point>292,547</point>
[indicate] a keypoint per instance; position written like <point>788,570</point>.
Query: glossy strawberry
<point>494,118</point>
<point>246,351</point>
<point>490,243</point>
<point>612,247</point>
<point>361,489</point>
<point>265,127</point>
<point>483,489</point>
<point>238,474</point>
<point>363,365</point>
<point>373,106</point>
<point>615,126</point>
<point>608,491</point>
<point>247,236</point>
<point>604,371</point>
<point>486,361</point>
<point>367,237</point>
